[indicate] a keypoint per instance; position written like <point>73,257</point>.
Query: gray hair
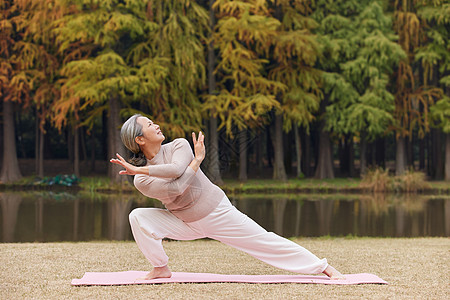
<point>128,133</point>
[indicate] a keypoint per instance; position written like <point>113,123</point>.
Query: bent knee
<point>135,214</point>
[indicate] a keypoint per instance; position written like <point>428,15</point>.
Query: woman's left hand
<point>129,168</point>
<point>199,146</point>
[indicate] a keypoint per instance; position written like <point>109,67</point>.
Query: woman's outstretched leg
<point>230,226</point>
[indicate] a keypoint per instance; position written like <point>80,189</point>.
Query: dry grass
<point>415,268</point>
<point>379,181</point>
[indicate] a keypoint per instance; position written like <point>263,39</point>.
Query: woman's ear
<point>139,140</point>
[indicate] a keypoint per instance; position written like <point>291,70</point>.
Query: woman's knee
<point>135,215</point>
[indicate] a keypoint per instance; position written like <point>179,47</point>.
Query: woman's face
<point>151,134</point>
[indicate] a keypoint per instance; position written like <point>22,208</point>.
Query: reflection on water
<point>46,217</point>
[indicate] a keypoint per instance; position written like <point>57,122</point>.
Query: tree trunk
<point>307,155</point>
<point>429,157</point>
<point>400,156</point>
<point>259,153</point>
<point>363,155</point>
<point>447,157</point>
<point>39,149</point>
<point>36,144</point>
<point>10,167</point>
<point>279,172</point>
<point>298,152</point>
<point>346,156</point>
<point>269,147</point>
<point>70,142</point>
<point>380,152</point>
<point>351,158</point>
<point>92,152</point>
<point>422,146</point>
<point>82,138</point>
<point>76,152</point>
<point>1,135</point>
<point>114,143</point>
<point>243,155</point>
<point>40,159</point>
<point>437,154</point>
<point>325,163</point>
<point>288,152</point>
<point>213,165</point>
<point>409,152</point>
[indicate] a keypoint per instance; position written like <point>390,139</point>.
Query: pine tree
<point>95,74</point>
<point>434,56</point>
<point>132,57</point>
<point>294,54</point>
<point>335,33</point>
<point>243,36</point>
<point>212,159</point>
<point>12,84</point>
<point>359,56</point>
<point>43,64</point>
<point>26,71</point>
<point>413,97</point>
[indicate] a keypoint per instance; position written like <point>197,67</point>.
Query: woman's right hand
<point>199,146</point>
<point>129,168</point>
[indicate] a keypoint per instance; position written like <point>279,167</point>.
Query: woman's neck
<point>151,151</point>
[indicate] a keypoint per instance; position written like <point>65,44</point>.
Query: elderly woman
<point>195,207</point>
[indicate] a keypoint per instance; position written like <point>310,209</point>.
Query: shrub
<point>377,181</point>
<point>411,182</point>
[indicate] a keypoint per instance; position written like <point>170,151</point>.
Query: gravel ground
<point>412,266</point>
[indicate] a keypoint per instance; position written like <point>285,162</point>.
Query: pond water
<point>49,217</point>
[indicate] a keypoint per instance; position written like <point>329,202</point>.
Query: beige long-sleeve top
<point>189,195</point>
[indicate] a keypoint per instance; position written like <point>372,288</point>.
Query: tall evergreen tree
<point>133,54</point>
<point>295,53</point>
<point>95,73</point>
<point>243,36</point>
<point>44,64</point>
<point>26,71</point>
<point>434,56</point>
<point>357,86</point>
<point>13,83</point>
<point>412,98</point>
<point>212,161</point>
<point>359,55</point>
<point>335,33</point>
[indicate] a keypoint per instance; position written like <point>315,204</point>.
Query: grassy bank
<point>414,268</point>
<point>232,186</point>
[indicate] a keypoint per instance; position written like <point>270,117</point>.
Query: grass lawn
<point>416,268</point>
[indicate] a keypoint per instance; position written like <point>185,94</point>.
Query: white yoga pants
<point>227,225</point>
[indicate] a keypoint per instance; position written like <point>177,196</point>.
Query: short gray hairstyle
<point>128,133</point>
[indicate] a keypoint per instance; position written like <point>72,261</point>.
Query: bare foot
<point>333,273</point>
<point>159,272</point>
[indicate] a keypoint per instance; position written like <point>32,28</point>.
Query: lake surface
<point>50,217</point>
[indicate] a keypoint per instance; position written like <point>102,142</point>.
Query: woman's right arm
<point>160,188</point>
<point>173,170</point>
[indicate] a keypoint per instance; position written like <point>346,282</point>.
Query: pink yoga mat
<point>132,277</point>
